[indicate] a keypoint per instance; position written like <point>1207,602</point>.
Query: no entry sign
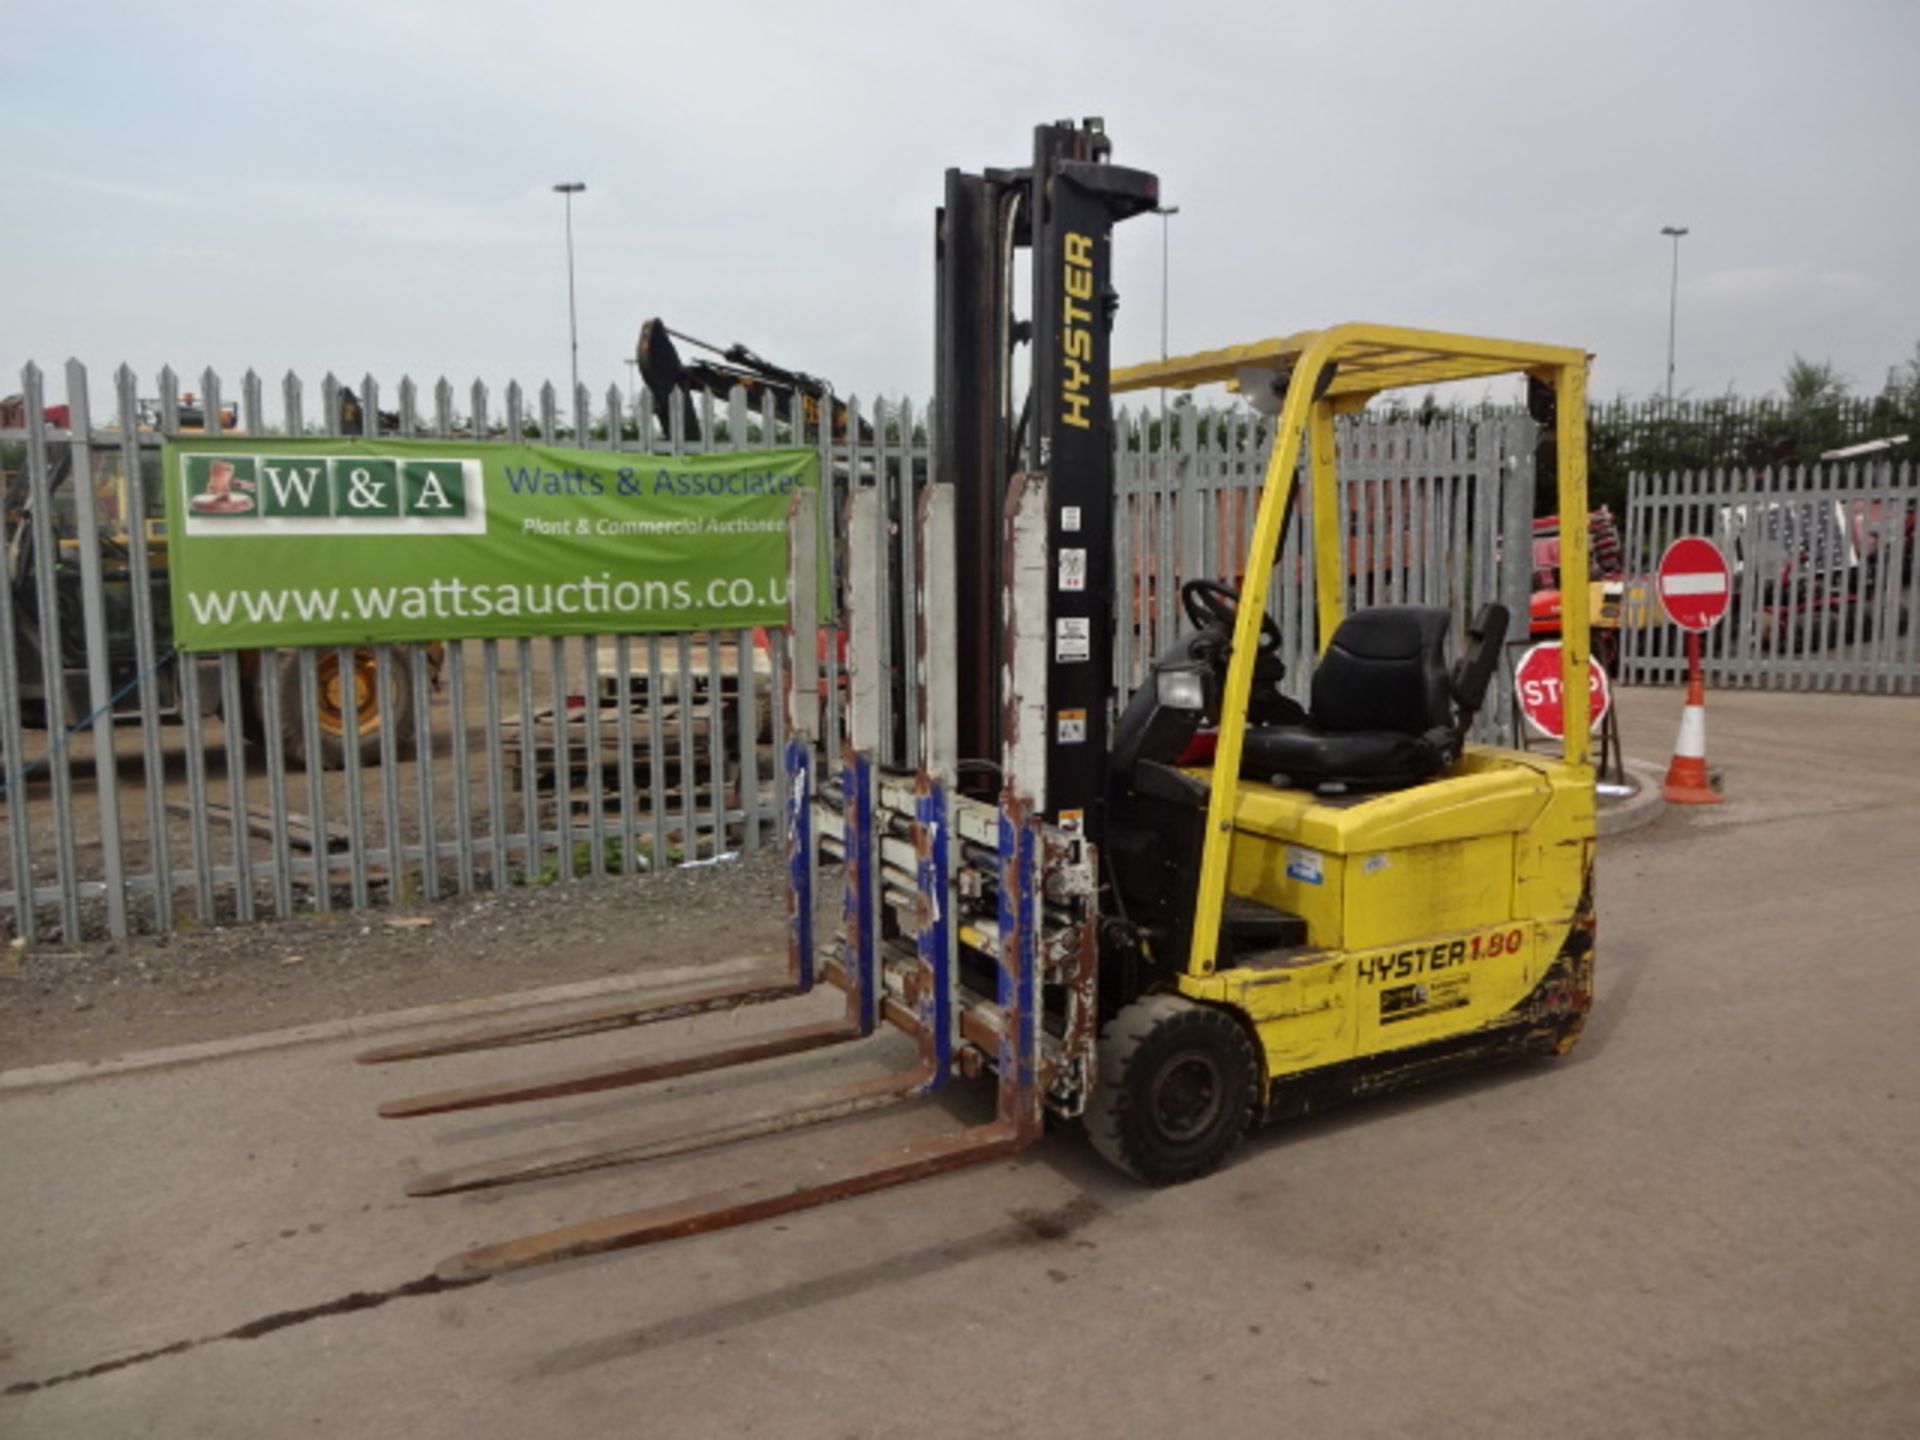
<point>1537,682</point>
<point>1695,583</point>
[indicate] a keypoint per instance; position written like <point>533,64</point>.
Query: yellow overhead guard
<point>1373,359</point>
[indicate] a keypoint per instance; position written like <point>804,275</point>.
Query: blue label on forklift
<point>1305,865</point>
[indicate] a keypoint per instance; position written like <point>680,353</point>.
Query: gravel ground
<point>104,999</point>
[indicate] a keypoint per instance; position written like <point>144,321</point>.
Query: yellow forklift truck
<point>1408,903</point>
<point>1172,919</point>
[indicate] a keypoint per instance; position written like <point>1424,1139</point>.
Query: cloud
<point>411,218</point>
<point>139,192</point>
<point>364,183</point>
<point>1748,285</point>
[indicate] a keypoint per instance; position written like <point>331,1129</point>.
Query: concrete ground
<point>1702,1223</point>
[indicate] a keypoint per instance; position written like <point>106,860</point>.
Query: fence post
<point>100,698</point>
<point>52,672</point>
<point>13,751</point>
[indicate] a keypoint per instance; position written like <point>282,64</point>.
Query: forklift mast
<point>1061,210</point>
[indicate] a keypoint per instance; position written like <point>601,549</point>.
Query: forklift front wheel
<point>346,700</point>
<point>1177,1091</point>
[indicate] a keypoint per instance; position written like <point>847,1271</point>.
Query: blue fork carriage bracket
<point>1038,885</point>
<point>799,771</point>
<point>1018,986</point>
<point>934,933</point>
<point>860,909</point>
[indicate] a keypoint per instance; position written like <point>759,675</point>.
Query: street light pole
<point>571,188</point>
<point>1673,302</point>
<point>1166,214</point>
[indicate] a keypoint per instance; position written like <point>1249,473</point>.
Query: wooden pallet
<point>540,746</point>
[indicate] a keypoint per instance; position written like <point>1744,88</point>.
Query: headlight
<point>1181,687</point>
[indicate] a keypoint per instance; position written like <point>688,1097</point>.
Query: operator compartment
<point>1372,870</point>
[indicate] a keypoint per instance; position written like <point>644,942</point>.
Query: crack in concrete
<point>253,1329</point>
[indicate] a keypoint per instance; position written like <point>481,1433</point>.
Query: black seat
<point>1387,710</point>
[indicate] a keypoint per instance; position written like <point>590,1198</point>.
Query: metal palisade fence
<point>1822,560</point>
<point>142,789</point>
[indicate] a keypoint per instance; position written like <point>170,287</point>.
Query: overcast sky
<point>365,185</point>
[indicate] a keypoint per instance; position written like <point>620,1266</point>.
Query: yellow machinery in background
<point>137,590</point>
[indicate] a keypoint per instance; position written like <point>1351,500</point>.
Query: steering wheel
<point>1216,602</point>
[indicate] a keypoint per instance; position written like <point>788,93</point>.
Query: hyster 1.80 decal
<point>1380,966</point>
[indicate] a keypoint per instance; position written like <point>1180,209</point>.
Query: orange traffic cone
<point>1687,782</point>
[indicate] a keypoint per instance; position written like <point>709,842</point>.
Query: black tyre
<point>1178,1089</point>
<point>347,702</point>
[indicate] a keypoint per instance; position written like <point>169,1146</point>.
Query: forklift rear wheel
<point>1177,1089</point>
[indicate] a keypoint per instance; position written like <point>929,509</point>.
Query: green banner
<point>335,541</point>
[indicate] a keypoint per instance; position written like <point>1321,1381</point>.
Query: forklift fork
<point>968,920</point>
<point>862,1006</point>
<point>798,980</point>
<point>953,873</point>
<point>1016,1123</point>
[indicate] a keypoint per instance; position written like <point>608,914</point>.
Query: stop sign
<point>1536,681</point>
<point>1694,583</point>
